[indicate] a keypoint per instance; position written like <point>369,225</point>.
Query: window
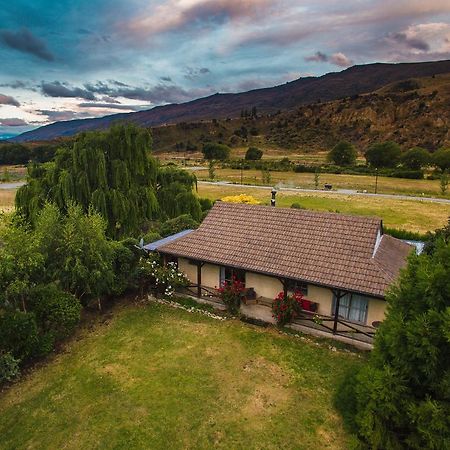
<point>172,259</point>
<point>352,307</point>
<point>227,274</point>
<point>298,286</point>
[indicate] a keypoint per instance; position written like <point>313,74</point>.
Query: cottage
<point>343,264</point>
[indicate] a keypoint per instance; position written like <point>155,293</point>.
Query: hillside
<point>350,82</point>
<point>411,112</point>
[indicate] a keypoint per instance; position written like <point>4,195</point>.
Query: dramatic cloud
<point>58,89</point>
<point>8,100</point>
<point>338,59</point>
<point>13,122</point>
<point>25,41</point>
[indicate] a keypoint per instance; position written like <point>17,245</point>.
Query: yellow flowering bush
<point>242,198</point>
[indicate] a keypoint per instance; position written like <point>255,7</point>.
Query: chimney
<point>274,192</point>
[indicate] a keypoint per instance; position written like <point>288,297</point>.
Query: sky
<point>70,59</point>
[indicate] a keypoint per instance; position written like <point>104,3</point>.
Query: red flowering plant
<point>286,308</point>
<point>230,292</point>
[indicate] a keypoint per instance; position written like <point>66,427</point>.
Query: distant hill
<point>350,82</point>
<point>411,112</point>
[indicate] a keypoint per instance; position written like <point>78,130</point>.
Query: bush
<point>206,204</point>
<point>180,223</point>
<point>296,205</point>
<point>19,334</point>
<point>151,236</point>
<point>230,293</point>
<point>253,154</point>
<point>286,308</point>
<point>405,173</point>
<point>9,367</point>
<point>57,312</point>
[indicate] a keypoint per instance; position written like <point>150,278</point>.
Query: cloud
<point>193,73</point>
<point>8,100</point>
<point>180,15</point>
<point>166,79</point>
<point>317,57</point>
<point>114,105</point>
<point>338,59</point>
<point>159,94</point>
<point>13,122</point>
<point>411,42</point>
<point>24,41</point>
<point>58,89</point>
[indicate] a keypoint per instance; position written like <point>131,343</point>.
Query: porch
<point>308,322</point>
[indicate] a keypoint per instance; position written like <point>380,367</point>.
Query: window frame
<point>348,308</point>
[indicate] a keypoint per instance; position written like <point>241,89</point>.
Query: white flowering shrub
<point>164,278</point>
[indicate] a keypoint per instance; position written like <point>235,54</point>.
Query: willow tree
<point>113,172</point>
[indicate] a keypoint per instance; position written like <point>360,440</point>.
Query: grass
<point>411,215</point>
<point>156,377</point>
<point>386,185</point>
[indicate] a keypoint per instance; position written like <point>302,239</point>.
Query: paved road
<point>15,185</point>
<point>336,192</point>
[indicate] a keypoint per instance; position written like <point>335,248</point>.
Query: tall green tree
<point>441,158</point>
<point>343,154</point>
<point>113,172</point>
<point>384,154</point>
<point>403,394</point>
<point>415,158</point>
<point>216,151</point>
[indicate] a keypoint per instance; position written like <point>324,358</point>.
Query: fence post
<point>336,310</point>
<point>199,279</point>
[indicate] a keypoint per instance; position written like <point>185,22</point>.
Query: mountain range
<point>351,82</point>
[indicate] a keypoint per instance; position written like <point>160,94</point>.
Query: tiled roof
<point>156,244</point>
<point>322,248</point>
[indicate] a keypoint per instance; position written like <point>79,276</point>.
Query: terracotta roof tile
<point>325,248</point>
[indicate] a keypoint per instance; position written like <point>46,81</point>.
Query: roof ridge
<point>298,210</point>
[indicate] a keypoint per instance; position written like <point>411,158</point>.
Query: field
<point>150,376</point>
<point>385,185</point>
<point>409,215</point>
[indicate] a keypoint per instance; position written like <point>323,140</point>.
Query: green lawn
<point>155,377</point>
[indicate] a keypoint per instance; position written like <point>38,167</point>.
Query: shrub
<point>286,308</point>
<point>206,204</point>
<point>253,154</point>
<point>296,205</point>
<point>230,292</point>
<point>9,367</point>
<point>19,334</point>
<point>407,173</point>
<point>165,278</point>
<point>151,236</point>
<point>242,198</point>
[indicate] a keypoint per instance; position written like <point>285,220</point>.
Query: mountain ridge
<point>355,80</point>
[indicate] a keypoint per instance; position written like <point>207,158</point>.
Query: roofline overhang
<point>275,275</point>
